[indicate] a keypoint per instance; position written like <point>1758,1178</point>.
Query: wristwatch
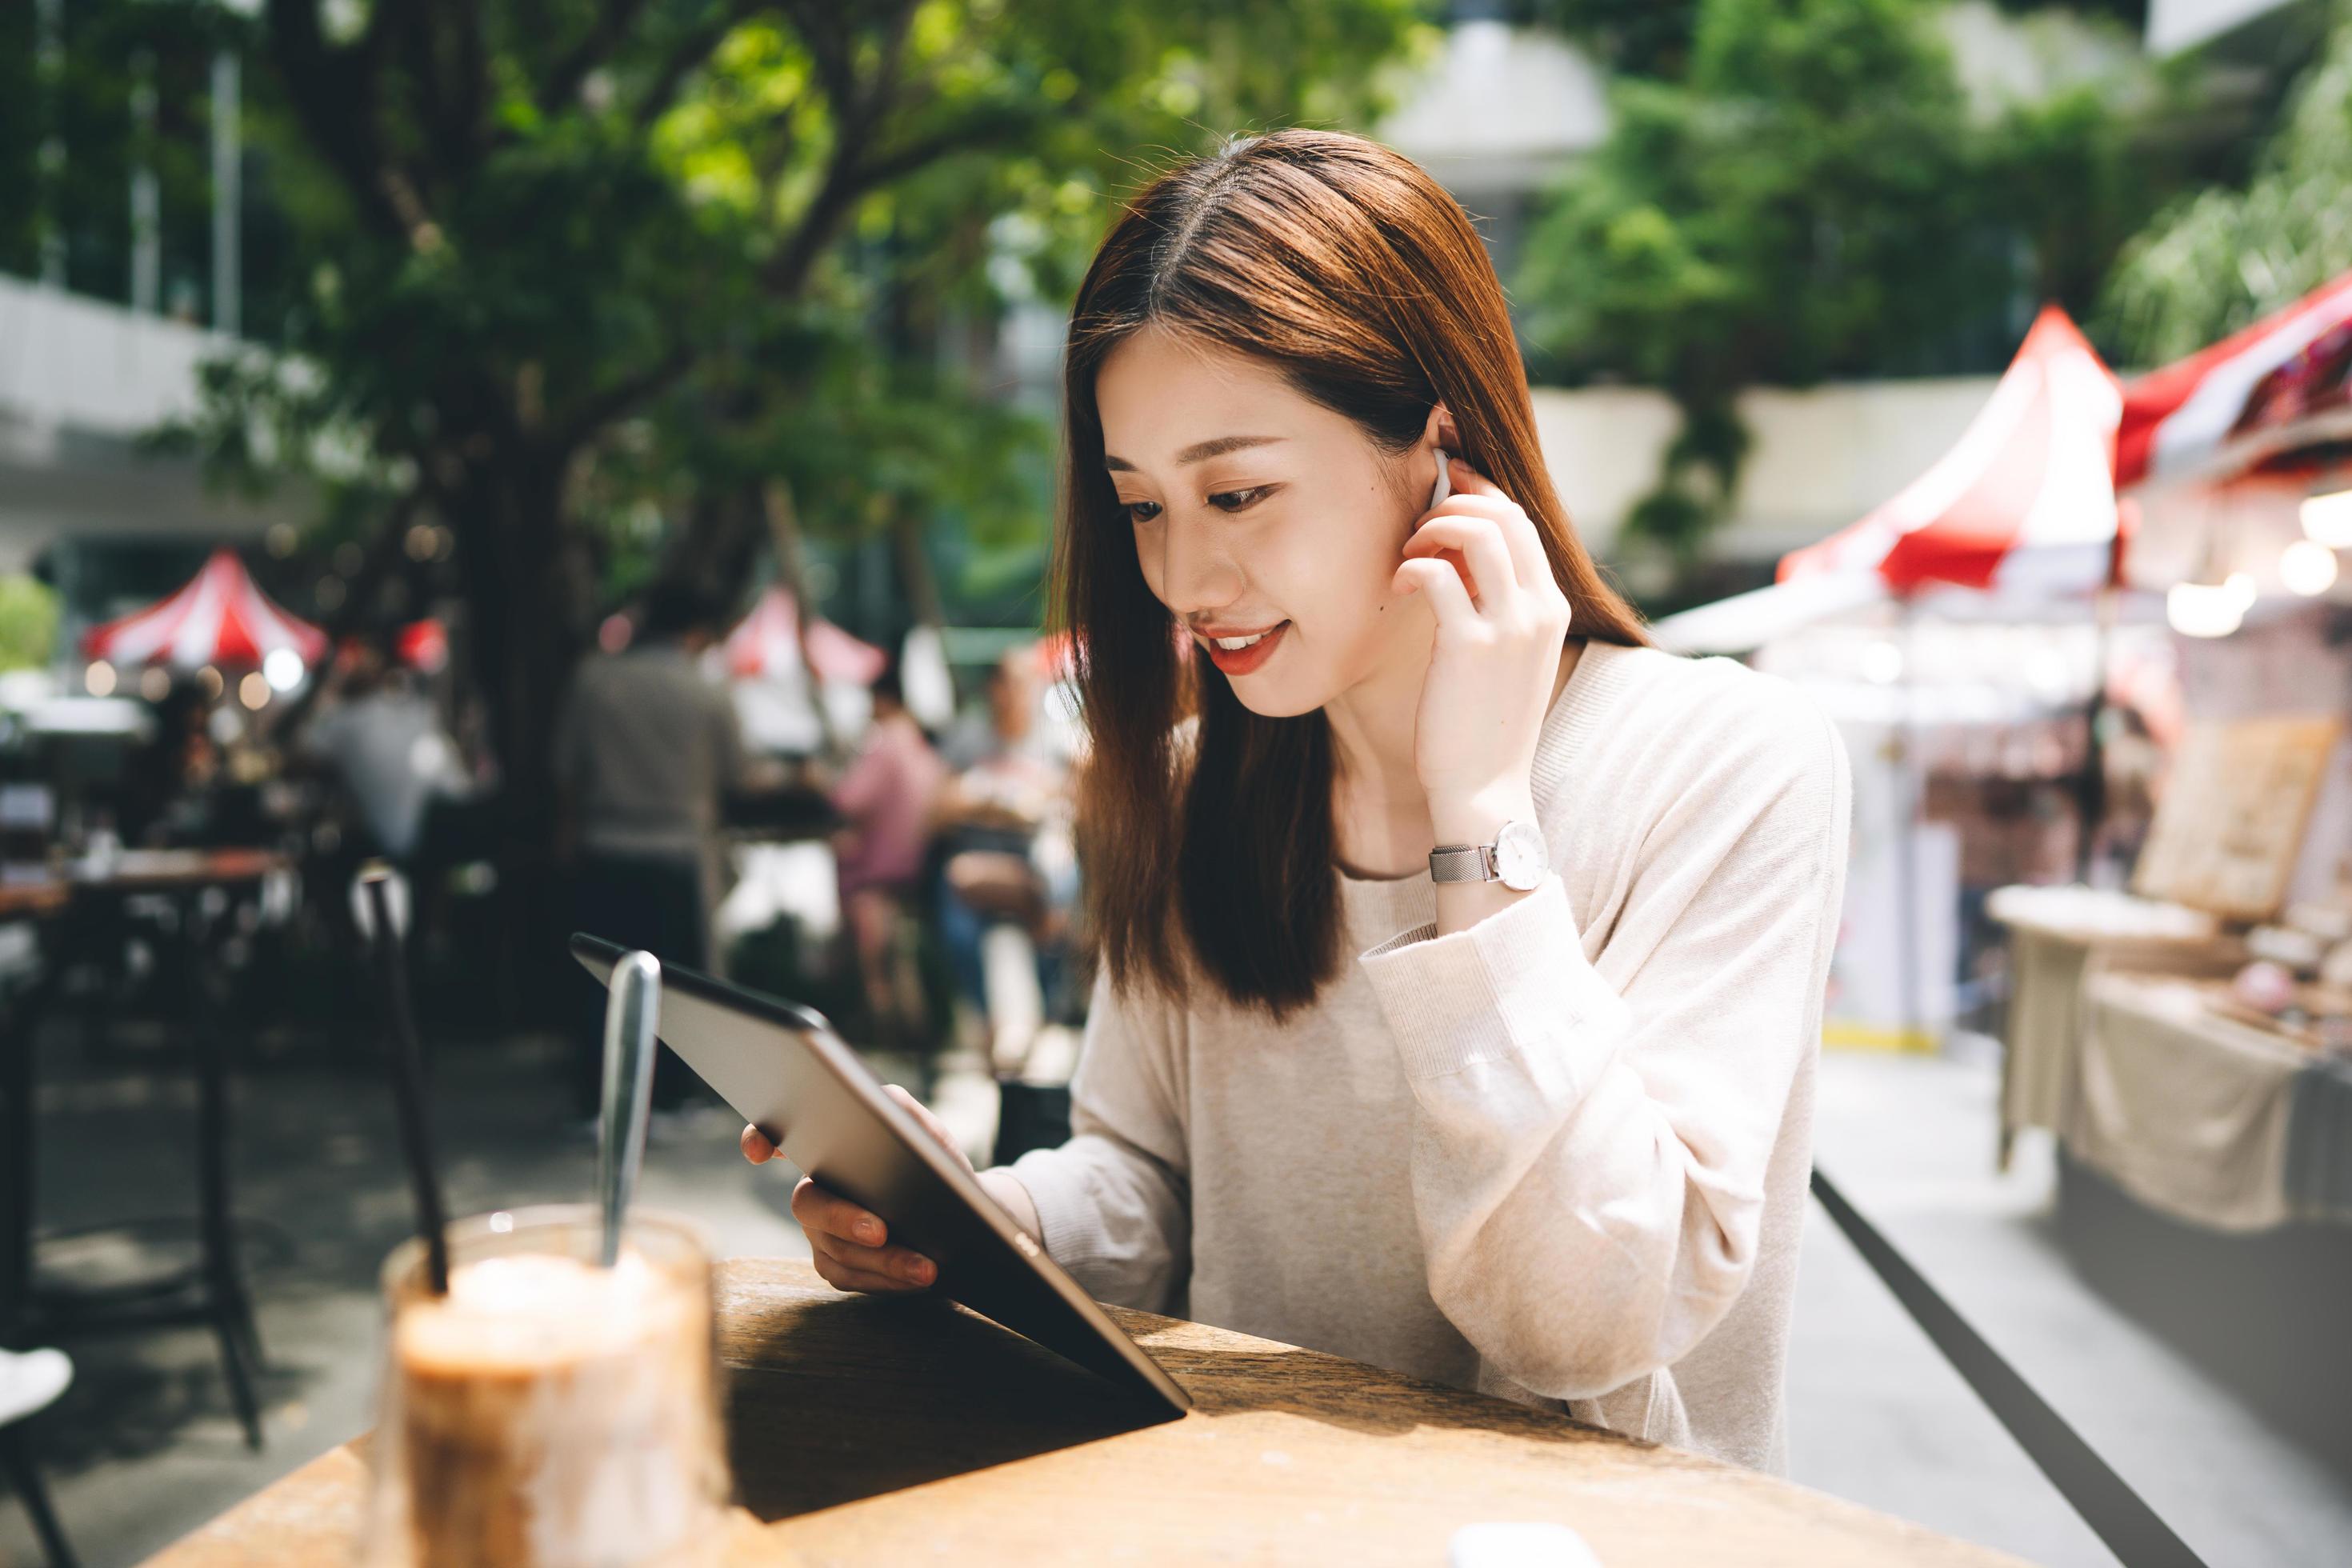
<point>1519,859</point>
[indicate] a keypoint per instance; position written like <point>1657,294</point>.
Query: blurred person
<point>647,750</point>
<point>1010,787</point>
<point>1462,954</point>
<point>165,787</point>
<point>384,740</point>
<point>885,798</point>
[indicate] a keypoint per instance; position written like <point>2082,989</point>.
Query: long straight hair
<point>1346,267</point>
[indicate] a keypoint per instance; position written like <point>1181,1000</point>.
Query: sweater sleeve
<point>1588,1160</point>
<point>1114,1203</point>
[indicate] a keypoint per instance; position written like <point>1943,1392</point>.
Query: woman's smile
<point>1238,653</point>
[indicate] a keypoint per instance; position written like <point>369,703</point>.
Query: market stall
<point>1953,634</point>
<point>2190,1045</point>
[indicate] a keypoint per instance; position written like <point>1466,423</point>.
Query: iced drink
<point>549,1412</point>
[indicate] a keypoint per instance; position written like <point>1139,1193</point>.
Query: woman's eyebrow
<point>1201,452</point>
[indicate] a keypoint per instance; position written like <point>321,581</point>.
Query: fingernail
<point>869,1231</point>
<point>920,1270</point>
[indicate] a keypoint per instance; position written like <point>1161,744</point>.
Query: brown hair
<point>1348,268</point>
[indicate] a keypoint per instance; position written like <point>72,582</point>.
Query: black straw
<point>408,1078</point>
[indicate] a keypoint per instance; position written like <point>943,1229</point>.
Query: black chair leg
<point>239,1373</point>
<point>17,1466</point>
<point>231,1313</point>
<point>248,1332</point>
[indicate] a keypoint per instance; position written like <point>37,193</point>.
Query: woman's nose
<point>1195,574</point>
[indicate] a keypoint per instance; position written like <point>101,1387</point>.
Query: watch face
<point>1521,857</point>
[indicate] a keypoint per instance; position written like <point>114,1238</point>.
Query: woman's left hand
<point>1502,622</point>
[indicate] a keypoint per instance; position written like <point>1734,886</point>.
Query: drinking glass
<point>549,1412</point>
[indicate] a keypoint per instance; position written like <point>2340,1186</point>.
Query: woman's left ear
<point>1441,429</point>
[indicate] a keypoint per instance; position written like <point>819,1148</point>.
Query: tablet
<point>785,1072</point>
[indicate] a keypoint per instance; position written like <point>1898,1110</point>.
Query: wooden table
<point>31,901</point>
<point>883,1430</point>
<point>176,870</point>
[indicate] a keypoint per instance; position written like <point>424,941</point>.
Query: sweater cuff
<point>1514,979</point>
<point>1069,1222</point>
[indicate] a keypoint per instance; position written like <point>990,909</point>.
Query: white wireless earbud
<point>1444,479</point>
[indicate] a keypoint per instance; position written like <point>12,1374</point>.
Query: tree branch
<point>599,409</point>
<point>469,132</point>
<point>859,108</point>
<point>692,49</point>
<point>604,36</point>
<point>822,34</point>
<point>334,94</point>
<point>980,128</point>
<point>852,176</point>
<point>413,43</point>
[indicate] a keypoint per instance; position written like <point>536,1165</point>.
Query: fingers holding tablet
<point>846,1244</point>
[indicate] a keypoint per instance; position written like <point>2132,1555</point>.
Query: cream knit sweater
<point>1560,1156</point>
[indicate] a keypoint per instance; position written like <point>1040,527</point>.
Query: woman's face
<point>1259,513</point>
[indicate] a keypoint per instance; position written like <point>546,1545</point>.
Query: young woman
<point>1463,956</point>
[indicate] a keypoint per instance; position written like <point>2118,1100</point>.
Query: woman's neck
<point>1380,813</point>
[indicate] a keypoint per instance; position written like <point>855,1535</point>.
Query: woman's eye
<point>1239,500</point>
<point>1223,500</point>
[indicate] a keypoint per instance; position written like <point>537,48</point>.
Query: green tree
<point>1785,215</point>
<point>1654,37</point>
<point>1632,37</point>
<point>2221,258</point>
<point>28,622</point>
<point>581,270</point>
<point>1816,197</point>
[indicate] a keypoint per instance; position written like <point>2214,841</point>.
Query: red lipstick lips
<point>1241,661</point>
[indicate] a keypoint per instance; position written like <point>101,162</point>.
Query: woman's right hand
<point>850,1244</point>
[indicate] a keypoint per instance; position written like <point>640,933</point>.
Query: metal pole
<point>2117,1515</point>
<point>146,201</point>
<point>49,70</point>
<point>1913,791</point>
<point>228,194</point>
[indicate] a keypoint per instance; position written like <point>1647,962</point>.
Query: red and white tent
<point>221,618</point>
<point>2177,422</point>
<point>2025,499</point>
<point>767,643</point>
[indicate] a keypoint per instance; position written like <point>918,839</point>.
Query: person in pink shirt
<point>887,798</point>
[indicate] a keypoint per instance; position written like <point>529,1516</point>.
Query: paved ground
<point>143,1448</point>
<point>1878,1416</point>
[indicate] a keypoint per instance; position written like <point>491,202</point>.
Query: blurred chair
<point>134,1275</point>
<point>30,1382</point>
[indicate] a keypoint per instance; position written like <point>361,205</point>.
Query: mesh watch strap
<point>1462,863</point>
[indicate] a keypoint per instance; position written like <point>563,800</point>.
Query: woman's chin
<point>1277,699</point>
